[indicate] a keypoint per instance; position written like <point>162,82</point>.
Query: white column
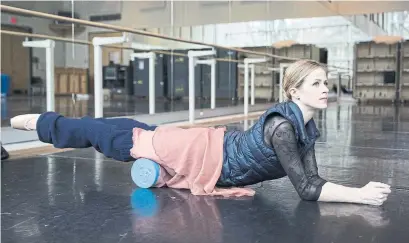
<point>252,84</point>
<point>152,57</point>
<point>49,46</point>
<point>246,88</point>
<point>98,99</point>
<point>247,62</point>
<point>193,55</point>
<point>192,89</point>
<point>212,64</point>
<point>213,85</point>
<point>49,53</point>
<point>152,95</point>
<point>98,42</point>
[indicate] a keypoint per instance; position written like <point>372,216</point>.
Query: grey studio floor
<point>81,196</point>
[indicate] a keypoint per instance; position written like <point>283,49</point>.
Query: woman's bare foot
<point>26,122</point>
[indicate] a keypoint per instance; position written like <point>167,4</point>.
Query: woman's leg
<point>125,123</point>
<point>63,132</point>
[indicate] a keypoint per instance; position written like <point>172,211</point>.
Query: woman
<point>211,161</point>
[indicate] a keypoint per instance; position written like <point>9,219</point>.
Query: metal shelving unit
<point>376,71</point>
<point>263,78</point>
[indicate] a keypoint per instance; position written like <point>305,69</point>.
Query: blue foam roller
<point>145,172</point>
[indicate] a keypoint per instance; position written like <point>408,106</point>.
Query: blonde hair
<point>295,74</point>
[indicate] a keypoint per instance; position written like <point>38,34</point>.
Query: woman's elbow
<point>310,193</point>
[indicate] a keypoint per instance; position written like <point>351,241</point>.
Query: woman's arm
<point>330,191</point>
<point>311,169</point>
<point>284,142</point>
<point>285,145</point>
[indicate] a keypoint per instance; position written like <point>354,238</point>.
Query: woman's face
<point>314,91</point>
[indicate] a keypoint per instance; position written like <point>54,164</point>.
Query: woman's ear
<point>294,93</point>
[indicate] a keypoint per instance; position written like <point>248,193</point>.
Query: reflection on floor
<point>81,196</point>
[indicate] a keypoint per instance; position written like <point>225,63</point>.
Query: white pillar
<point>49,53</point>
<point>49,46</point>
<point>98,99</point>
<point>212,64</point>
<point>246,88</point>
<point>252,84</point>
<point>152,95</point>
<point>192,89</point>
<point>247,62</point>
<point>98,42</point>
<point>193,55</point>
<point>152,57</point>
<point>213,85</point>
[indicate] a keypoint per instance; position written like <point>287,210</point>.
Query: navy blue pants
<point>111,137</point>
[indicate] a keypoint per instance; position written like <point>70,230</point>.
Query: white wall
<point>153,14</point>
<point>175,20</point>
<point>40,26</point>
<point>157,15</point>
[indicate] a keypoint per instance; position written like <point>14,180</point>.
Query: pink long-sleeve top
<point>190,158</point>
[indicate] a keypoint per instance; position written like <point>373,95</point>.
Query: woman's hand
<point>373,193</point>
